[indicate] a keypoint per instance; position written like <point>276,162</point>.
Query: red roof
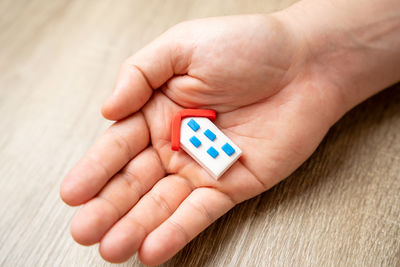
<point>184,113</point>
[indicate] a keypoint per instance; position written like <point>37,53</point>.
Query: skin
<point>278,83</point>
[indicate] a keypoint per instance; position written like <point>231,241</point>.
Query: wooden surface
<point>58,61</point>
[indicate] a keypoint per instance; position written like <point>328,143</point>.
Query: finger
<point>119,144</point>
<point>148,69</point>
<point>190,92</point>
<point>123,240</point>
<point>202,207</point>
<point>94,219</point>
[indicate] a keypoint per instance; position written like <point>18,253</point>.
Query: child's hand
<point>257,73</point>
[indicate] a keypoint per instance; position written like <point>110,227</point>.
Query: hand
<point>257,73</point>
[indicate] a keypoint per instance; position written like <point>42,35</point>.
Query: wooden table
<point>58,62</point>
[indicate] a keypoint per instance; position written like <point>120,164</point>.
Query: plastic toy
<point>193,130</point>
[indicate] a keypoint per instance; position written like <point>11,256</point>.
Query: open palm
<point>140,195</point>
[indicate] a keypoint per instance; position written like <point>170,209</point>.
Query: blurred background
<point>58,62</point>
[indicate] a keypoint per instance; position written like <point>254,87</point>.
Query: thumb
<point>148,69</point>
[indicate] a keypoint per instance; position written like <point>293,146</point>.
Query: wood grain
<point>58,61</point>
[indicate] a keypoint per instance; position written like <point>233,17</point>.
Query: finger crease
<point>187,182</point>
<point>161,202</point>
<point>143,75</point>
<point>160,162</point>
<point>200,208</point>
<point>182,230</point>
<point>160,146</point>
<point>135,222</point>
<point>261,182</point>
<point>118,211</point>
<point>122,143</point>
<point>258,179</point>
<point>137,189</point>
<point>101,164</point>
<point>230,199</point>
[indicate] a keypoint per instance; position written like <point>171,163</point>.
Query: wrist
<point>352,49</point>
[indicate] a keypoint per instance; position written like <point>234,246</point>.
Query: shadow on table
<point>345,138</point>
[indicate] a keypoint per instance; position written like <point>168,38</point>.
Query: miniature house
<point>193,130</point>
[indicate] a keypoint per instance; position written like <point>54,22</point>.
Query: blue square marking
<point>195,141</point>
<point>210,135</point>
<point>212,152</point>
<point>193,124</point>
<point>228,149</point>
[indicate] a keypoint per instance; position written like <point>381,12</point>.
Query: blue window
<point>195,141</point>
<point>228,149</point>
<point>212,152</point>
<point>210,135</point>
<point>193,124</point>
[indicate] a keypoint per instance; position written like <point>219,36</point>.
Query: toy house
<point>193,130</point>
